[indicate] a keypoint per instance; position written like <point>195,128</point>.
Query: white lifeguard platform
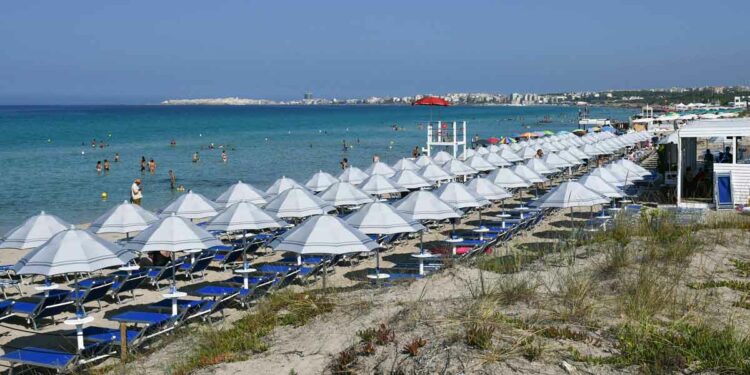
<point>446,134</point>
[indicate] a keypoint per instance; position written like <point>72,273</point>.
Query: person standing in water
<point>172,180</point>
<point>117,157</point>
<point>196,157</point>
<point>152,166</point>
<point>136,193</point>
<point>415,152</point>
<point>99,167</point>
<point>224,157</point>
<point>143,164</point>
<point>106,165</point>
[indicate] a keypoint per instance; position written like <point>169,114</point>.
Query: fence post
<point>123,342</point>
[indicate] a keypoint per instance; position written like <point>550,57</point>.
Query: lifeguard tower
<point>446,134</point>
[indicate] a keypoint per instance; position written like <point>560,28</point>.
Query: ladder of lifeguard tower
<point>446,134</point>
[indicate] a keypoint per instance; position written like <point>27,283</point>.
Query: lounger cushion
<point>39,357</point>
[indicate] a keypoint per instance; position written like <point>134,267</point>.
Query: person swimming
<point>117,157</point>
<point>196,157</point>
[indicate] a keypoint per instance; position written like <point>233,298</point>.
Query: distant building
<point>308,96</point>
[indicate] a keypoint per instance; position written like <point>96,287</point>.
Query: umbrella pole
<point>174,282</point>
<point>79,316</point>
<point>421,243</point>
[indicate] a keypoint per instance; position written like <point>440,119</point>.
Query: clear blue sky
<point>94,51</point>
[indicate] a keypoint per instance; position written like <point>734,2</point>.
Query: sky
<point>142,52</point>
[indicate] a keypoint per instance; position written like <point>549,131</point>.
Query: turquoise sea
<point>48,162</point>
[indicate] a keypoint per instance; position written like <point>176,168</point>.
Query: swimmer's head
<point>137,181</point>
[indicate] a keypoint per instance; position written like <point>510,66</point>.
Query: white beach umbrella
<point>343,194</point>
<point>578,153</point>
<point>592,150</point>
<point>243,216</point>
<point>423,161</point>
<point>381,218</point>
<point>172,233</point>
<point>432,172</point>
<point>569,157</point>
<point>405,164</point>
<point>72,251</point>
<point>279,186</point>
<point>479,163</point>
<point>241,192</point>
<point>556,161</point>
<point>456,167</point>
<point>507,179</point>
<point>320,181</point>
<point>528,174</point>
<point>608,176</point>
<point>528,152</point>
<point>297,202</point>
<point>410,179</point>
<point>493,148</point>
<point>380,185</point>
<point>425,205</point>
<point>488,190</point>
<point>597,184</point>
<point>623,173</point>
<point>633,167</point>
<point>540,167</point>
<point>467,154</point>
<point>460,196</point>
<point>191,206</point>
<point>126,217</point>
<point>497,160</point>
<point>570,194</point>
<point>509,155</point>
<point>380,168</point>
<point>34,231</point>
<point>324,235</point>
<point>353,175</point>
<point>517,146</point>
<point>482,150</point>
<point>441,157</point>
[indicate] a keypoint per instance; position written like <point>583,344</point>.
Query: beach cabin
<point>714,163</point>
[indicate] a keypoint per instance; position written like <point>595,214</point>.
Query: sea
<point>48,154</point>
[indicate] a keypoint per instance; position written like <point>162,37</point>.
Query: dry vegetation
<point>647,296</point>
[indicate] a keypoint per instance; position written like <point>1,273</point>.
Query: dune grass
<point>659,349</point>
<point>246,336</point>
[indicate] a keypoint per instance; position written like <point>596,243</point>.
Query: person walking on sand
<point>172,180</point>
<point>136,193</point>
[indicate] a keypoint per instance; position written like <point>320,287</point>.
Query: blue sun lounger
<point>126,284</point>
<point>94,293</point>
<point>53,359</point>
<point>152,324</point>
<point>38,306</point>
